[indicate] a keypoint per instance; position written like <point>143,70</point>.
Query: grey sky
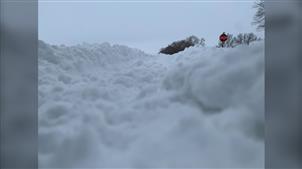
<point>144,25</point>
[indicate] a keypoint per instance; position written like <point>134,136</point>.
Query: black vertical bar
<point>283,84</point>
<point>18,77</point>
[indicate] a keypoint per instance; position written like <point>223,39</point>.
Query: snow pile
<point>112,106</point>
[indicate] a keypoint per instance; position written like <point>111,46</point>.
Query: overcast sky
<point>144,25</point>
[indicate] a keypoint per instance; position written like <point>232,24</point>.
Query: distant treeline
<point>240,39</point>
<point>233,41</point>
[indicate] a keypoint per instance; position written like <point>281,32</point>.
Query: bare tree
<point>249,37</point>
<point>259,17</point>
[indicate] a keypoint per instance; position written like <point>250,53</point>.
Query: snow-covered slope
<point>112,106</point>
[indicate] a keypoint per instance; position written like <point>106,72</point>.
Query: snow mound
<point>113,106</point>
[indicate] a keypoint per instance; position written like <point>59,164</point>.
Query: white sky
<point>144,25</point>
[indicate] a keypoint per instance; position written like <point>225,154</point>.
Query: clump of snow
<point>113,106</point>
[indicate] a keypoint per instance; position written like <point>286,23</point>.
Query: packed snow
<point>105,106</point>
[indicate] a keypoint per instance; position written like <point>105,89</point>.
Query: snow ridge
<point>103,105</point>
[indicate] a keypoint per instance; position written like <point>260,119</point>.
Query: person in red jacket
<point>223,37</point>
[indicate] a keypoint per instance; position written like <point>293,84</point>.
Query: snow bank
<point>112,106</point>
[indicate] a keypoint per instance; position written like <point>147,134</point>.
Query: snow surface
<point>103,105</point>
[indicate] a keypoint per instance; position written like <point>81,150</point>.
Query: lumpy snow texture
<point>103,105</point>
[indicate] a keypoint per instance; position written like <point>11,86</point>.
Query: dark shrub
<point>181,45</point>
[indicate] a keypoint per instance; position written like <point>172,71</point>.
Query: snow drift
<point>113,106</point>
